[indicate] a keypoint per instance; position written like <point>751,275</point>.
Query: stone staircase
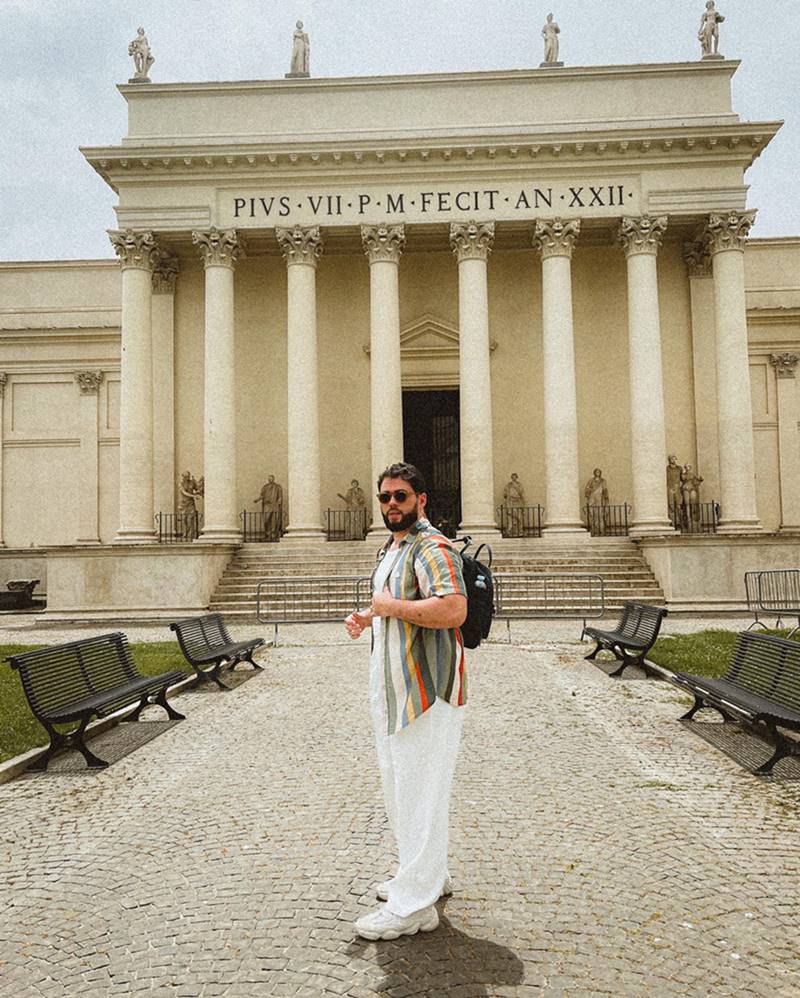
<point>617,560</point>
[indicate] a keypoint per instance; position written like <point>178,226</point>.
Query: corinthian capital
<point>383,243</point>
<point>219,248</point>
<point>89,381</point>
<point>643,234</point>
<point>698,261</point>
<point>135,249</point>
<point>472,240</point>
<point>165,274</point>
<point>728,231</point>
<point>785,364</point>
<point>556,238</point>
<point>300,245</point>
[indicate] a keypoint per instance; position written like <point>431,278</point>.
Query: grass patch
<point>19,729</point>
<point>705,653</point>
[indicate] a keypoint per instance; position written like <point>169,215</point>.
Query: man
<point>417,685</point>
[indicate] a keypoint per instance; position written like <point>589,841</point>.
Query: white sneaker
<point>382,890</point>
<point>383,924</point>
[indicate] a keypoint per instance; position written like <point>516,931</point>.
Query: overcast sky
<point>62,60</point>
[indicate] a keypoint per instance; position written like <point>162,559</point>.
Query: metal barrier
<point>346,524</point>
<point>520,596</point>
<point>607,521</point>
<point>310,599</point>
<point>695,517</point>
<point>317,599</point>
<point>260,528</point>
<point>776,591</point>
<point>520,521</point>
<point>178,528</point>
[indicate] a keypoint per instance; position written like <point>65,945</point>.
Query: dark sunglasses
<point>400,495</point>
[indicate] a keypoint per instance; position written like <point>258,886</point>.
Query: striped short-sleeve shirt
<point>422,664</point>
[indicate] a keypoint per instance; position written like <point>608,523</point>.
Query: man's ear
<point>422,499</point>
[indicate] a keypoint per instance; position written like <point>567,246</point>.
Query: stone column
<point>555,241</point>
<point>138,254</point>
<point>641,238</point>
<point>3,383</point>
<point>725,236</point>
<point>302,249</point>
<point>384,245</point>
<point>704,358</point>
<point>89,474</point>
<point>220,250</point>
<point>472,243</point>
<point>785,365</point>
<point>163,322</point>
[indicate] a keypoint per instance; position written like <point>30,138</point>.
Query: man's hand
<point>357,623</point>
<point>384,604</point>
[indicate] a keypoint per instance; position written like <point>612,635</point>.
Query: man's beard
<point>406,520</point>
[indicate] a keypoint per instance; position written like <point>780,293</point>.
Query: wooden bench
<point>205,641</point>
<point>632,638</point>
<point>90,678</point>
<point>760,691</point>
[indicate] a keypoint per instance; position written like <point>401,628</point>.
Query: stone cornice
<point>590,145</point>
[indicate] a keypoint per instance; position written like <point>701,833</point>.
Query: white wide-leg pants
<point>416,766</point>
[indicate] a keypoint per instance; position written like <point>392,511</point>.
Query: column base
<point>651,528</point>
<point>789,530</point>
<point>135,537</point>
<point>484,529</point>
<point>740,527</point>
<point>89,542</point>
<point>220,535</point>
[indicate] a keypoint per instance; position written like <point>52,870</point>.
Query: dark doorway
<point>431,440</point>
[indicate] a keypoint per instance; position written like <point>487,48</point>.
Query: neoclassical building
<point>534,271</point>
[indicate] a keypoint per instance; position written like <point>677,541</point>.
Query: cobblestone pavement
<point>598,847</point>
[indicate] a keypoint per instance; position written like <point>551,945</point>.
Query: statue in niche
<point>143,59</point>
<point>300,52</point>
<point>596,495</point>
<point>708,35</point>
<point>690,489</point>
<point>356,502</point>
<point>550,33</point>
<point>514,500</point>
<point>271,499</point>
<point>191,489</point>
<point>674,490</point>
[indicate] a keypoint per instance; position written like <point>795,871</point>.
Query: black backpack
<point>480,595</point>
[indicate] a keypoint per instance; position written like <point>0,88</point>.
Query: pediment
<point>429,337</point>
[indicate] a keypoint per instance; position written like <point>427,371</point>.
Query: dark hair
<point>407,472</point>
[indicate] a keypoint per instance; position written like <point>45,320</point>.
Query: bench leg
<point>212,676</point>
<point>783,748</point>
<point>57,741</point>
<point>624,662</point>
<point>249,658</point>
<point>161,700</point>
<point>593,654</point>
<point>699,704</point>
<point>134,715</point>
<point>92,761</point>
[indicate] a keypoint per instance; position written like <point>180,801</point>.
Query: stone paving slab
<point>599,847</point>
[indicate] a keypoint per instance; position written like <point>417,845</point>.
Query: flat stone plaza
<point>598,845</point>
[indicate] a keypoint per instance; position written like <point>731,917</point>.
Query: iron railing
<point>178,528</point>
<point>310,599</point>
<point>565,595</point>
<point>774,592</point>
<point>346,524</point>
<point>520,521</point>
<point>607,521</point>
<point>695,517</point>
<point>260,528</point>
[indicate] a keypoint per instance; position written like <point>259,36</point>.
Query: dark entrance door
<point>431,440</point>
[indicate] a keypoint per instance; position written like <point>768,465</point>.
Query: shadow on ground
<point>446,962</point>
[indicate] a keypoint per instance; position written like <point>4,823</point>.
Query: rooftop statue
<point>143,59</point>
<point>708,35</point>
<point>300,53</point>
<point>550,33</point>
